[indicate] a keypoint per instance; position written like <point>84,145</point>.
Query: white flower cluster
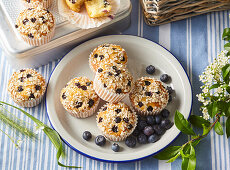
<point>212,75</point>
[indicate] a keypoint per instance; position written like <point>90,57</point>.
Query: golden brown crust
<point>107,53</point>
<point>148,96</point>
<point>116,121</point>
<point>79,95</point>
<point>35,22</point>
<point>26,85</point>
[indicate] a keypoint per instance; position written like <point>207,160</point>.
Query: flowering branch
<point>215,99</point>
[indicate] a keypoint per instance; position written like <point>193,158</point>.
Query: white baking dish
<point>67,36</point>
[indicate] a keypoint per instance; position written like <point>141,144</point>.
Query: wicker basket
<point>159,12</point>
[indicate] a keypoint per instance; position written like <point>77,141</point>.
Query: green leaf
<point>52,134</point>
<point>226,34</point>
<point>206,130</point>
<point>228,127</point>
<point>227,46</point>
<point>218,128</point>
<point>189,163</point>
<point>213,109</point>
<point>173,158</point>
<point>182,124</point>
<point>228,89</point>
<point>214,86</point>
<point>198,121</point>
<point>226,71</point>
<point>227,111</point>
<point>168,153</point>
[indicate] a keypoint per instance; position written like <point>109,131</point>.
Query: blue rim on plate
<point>132,160</point>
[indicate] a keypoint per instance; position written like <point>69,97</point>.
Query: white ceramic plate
<point>141,53</point>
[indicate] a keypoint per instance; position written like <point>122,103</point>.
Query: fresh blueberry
<point>165,113</point>
<point>130,141</point>
<point>148,130</point>
<point>151,120</point>
<point>169,89</point>
<point>142,139</point>
<point>170,98</point>
<point>115,147</point>
<point>136,132</point>
<point>150,69</point>
<point>158,119</point>
<point>167,124</point>
<point>141,124</point>
<point>158,129</point>
<point>87,135</point>
<point>153,138</point>
<point>164,78</point>
<point>100,140</point>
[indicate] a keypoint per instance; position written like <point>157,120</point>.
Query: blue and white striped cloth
<point>194,42</point>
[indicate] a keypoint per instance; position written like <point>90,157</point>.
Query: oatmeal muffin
<point>79,97</point>
<point>27,87</point>
<point>113,82</point>
<point>148,96</point>
<point>107,53</point>
<point>36,3</point>
<point>116,121</point>
<point>98,8</point>
<point>36,26</point>
<point>75,5</point>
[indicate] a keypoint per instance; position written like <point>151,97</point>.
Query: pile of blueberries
<point>149,129</point>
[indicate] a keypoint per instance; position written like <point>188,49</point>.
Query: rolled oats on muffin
<point>113,82</point>
<point>36,3</point>
<point>107,53</point>
<point>79,97</point>
<point>116,121</point>
<point>27,87</point>
<point>36,26</point>
<point>149,96</point>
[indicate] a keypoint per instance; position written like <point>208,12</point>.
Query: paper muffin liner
<point>91,65</point>
<point>82,20</point>
<point>45,4</point>
<point>39,41</point>
<point>144,113</point>
<point>85,114</point>
<point>105,94</point>
<point>30,103</point>
<point>117,138</point>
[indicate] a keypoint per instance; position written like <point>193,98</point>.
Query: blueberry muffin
<point>75,5</point>
<point>79,98</point>
<point>98,8</point>
<point>36,3</point>
<point>116,121</point>
<point>113,82</point>
<point>27,87</point>
<point>148,96</point>
<point>36,26</point>
<point>107,53</point>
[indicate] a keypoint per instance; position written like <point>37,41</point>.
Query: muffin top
<point>116,119</point>
<point>35,22</point>
<point>79,95</point>
<point>107,53</point>
<point>149,95</point>
<point>26,84</point>
<point>115,78</point>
